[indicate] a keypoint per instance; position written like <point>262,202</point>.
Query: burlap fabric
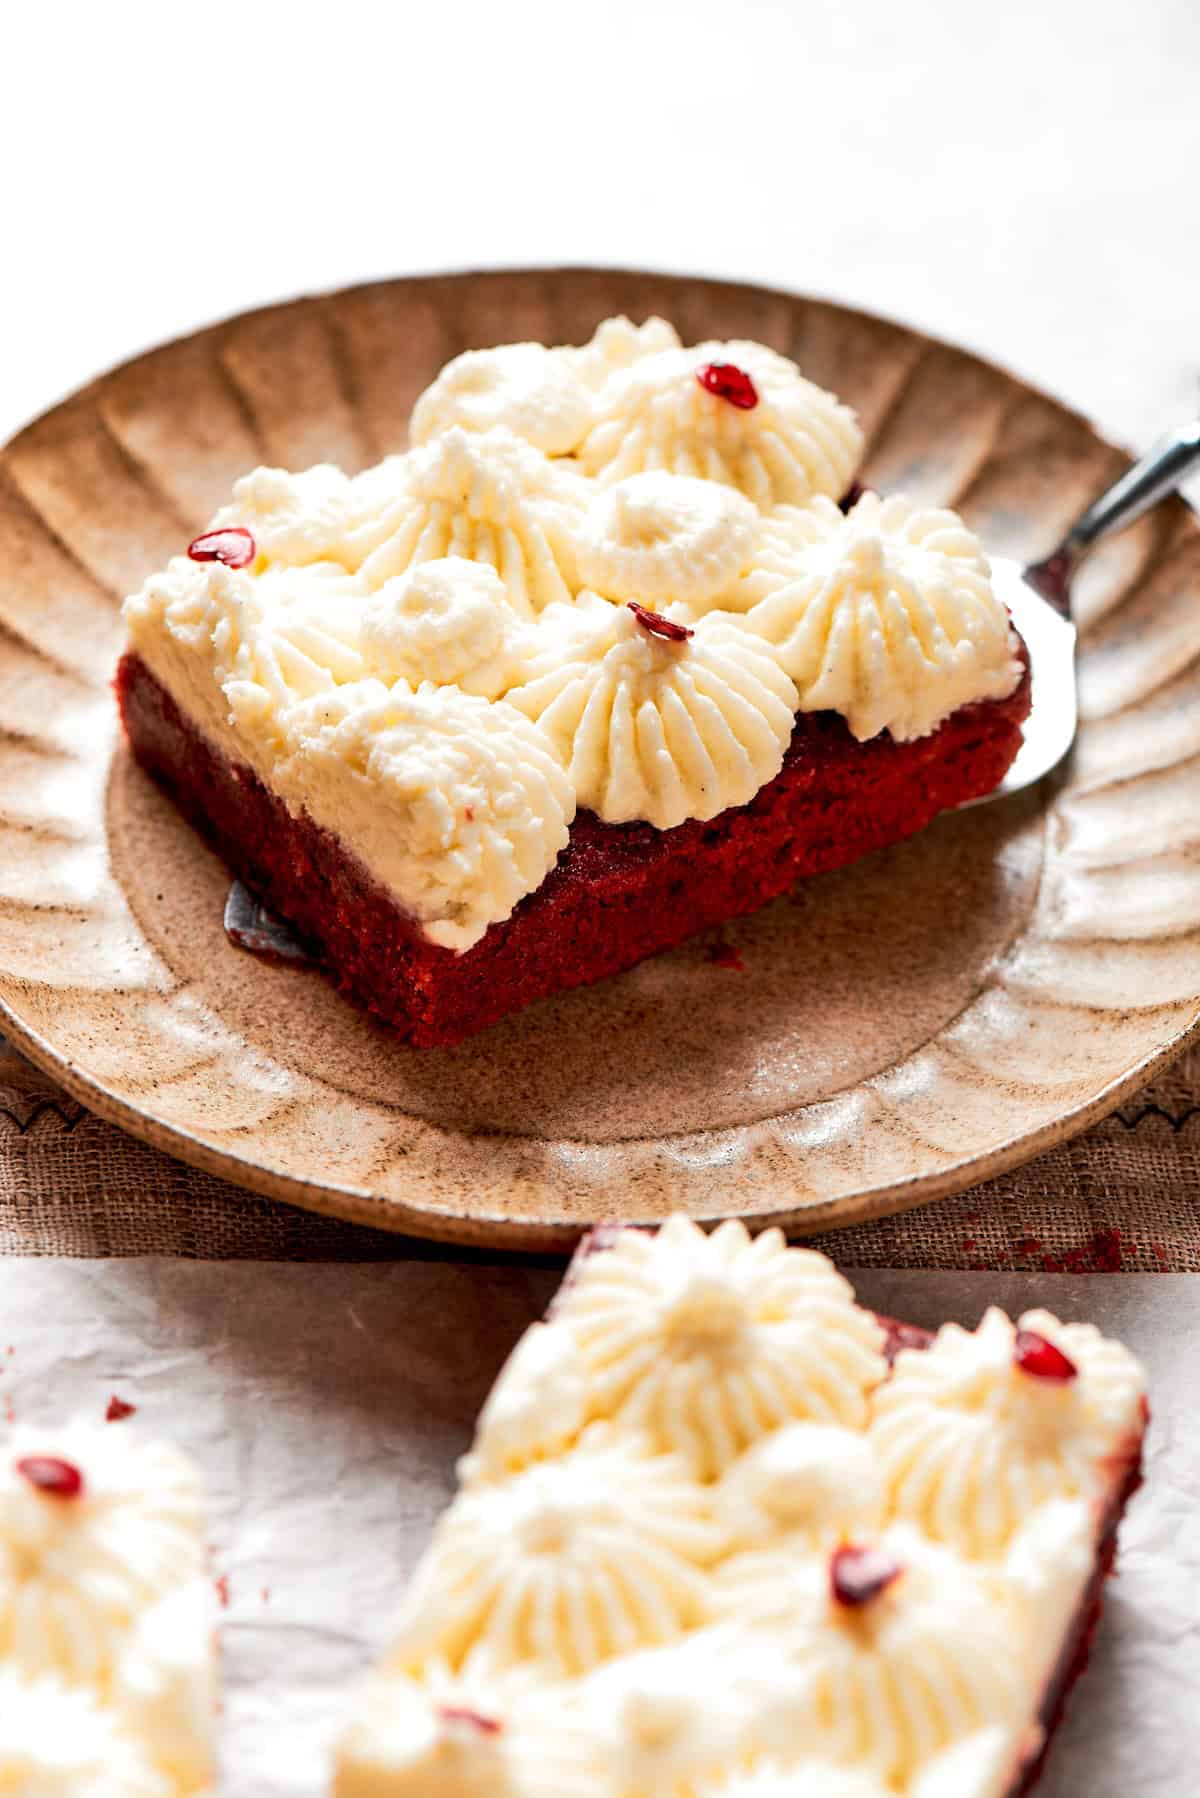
<point>1124,1196</point>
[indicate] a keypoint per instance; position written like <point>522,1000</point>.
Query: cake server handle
<point>1158,472</point>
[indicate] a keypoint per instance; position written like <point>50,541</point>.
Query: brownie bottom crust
<point>619,892</point>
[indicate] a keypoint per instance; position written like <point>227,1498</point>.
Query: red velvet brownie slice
<point>710,1541</point>
<point>598,664</point>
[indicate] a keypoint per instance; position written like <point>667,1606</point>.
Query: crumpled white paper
<point>326,1406</point>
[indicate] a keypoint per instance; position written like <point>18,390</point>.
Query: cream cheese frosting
<point>794,443</point>
<point>709,1342</point>
<point>661,538</point>
<point>970,1444</point>
<point>447,621</point>
<point>107,1618</point>
<point>650,728</point>
<point>547,396</point>
<point>458,804</point>
<point>77,1573</point>
<point>549,489</point>
<point>489,498</point>
<point>575,1560</point>
<point>446,1738</point>
<point>57,1742</point>
<point>888,617</point>
<point>679,1561</point>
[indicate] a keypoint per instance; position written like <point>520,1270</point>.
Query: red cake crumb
<point>619,892</point>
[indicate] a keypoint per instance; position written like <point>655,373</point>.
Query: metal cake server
<point>1039,599</point>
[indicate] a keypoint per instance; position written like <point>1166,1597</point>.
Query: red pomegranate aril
<point>233,546</point>
<point>1033,1354</point>
<point>857,1575</point>
<point>657,626</point>
<point>46,1473</point>
<point>729,382</point>
<point>461,1713</point>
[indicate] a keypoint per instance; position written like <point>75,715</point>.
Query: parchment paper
<point>327,1404</point>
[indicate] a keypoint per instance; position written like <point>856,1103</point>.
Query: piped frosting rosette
<point>567,1563</point>
<point>657,727</point>
<point>664,539</point>
<point>546,396</point>
<point>77,1573</point>
<point>446,1736</point>
<point>447,621</point>
<point>971,1443</point>
<point>887,616</point>
<point>488,498</point>
<point>783,441</point>
<point>706,1342</point>
<point>884,1684</point>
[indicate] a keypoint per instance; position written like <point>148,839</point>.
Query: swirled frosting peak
<point>888,616</point>
<point>531,390</point>
<point>295,519</point>
<point>708,1342</point>
<point>458,803</point>
<point>794,443</point>
<point>76,1572</point>
<point>885,1684</point>
<point>490,498</point>
<point>545,396</point>
<point>656,729</point>
<point>567,1564</point>
<point>446,1737</point>
<point>448,621</point>
<point>970,1444</point>
<point>664,538</point>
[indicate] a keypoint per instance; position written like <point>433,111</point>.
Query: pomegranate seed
<point>857,1575</point>
<point>57,1479</point>
<point>657,626</point>
<point>902,1336</point>
<point>234,546</point>
<point>460,1713</point>
<point>1034,1355</point>
<point>729,382</point>
<point>118,1410</point>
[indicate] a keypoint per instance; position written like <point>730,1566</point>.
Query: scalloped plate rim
<point>481,1227</point>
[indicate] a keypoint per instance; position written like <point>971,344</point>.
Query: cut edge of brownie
<point>619,893</point>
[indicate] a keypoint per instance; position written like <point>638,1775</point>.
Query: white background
<point>1020,177</point>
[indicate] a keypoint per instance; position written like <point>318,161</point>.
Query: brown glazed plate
<point>885,1035</point>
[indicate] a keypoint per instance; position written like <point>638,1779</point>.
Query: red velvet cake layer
<point>619,892</point>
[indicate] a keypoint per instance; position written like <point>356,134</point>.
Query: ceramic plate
<point>887,1034</point>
